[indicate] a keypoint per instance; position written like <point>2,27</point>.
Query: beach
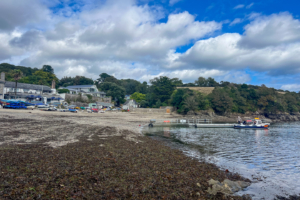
<point>56,155</point>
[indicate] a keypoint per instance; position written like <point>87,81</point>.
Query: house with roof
<point>27,92</point>
<point>131,103</point>
<point>85,89</point>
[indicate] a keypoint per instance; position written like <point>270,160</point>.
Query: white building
<point>26,92</point>
<point>131,103</point>
<point>85,89</point>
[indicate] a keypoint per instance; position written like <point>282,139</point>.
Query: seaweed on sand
<point>110,168</point>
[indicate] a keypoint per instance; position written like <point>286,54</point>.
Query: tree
<point>144,104</point>
<point>162,88</point>
<point>142,88</point>
<point>115,91</point>
<point>138,97</point>
<point>177,82</point>
<point>201,82</point>
<point>48,68</point>
<point>220,100</point>
<point>190,103</point>
<point>211,82</point>
<point>41,77</point>
<point>61,91</point>
<point>102,78</point>
<point>17,75</point>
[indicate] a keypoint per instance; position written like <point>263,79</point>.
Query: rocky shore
<point>52,155</point>
<point>46,155</point>
<point>232,117</point>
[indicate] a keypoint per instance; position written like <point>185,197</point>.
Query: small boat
<point>252,124</point>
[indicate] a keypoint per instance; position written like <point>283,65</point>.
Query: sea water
<point>269,158</point>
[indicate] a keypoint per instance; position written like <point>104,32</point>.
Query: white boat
<point>252,124</point>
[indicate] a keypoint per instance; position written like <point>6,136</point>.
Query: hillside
<point>204,90</point>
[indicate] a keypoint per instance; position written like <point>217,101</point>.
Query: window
<point>92,90</point>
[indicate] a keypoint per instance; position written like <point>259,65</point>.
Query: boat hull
<point>251,127</point>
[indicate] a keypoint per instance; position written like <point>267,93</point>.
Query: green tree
<point>138,97</point>
<point>142,88</point>
<point>61,91</point>
<point>158,104</point>
<point>102,78</point>
<point>162,88</point>
<point>211,82</point>
<point>115,91</point>
<point>190,103</point>
<point>177,82</point>
<point>144,104</point>
<point>17,75</point>
<point>48,68</point>
<point>201,82</point>
<point>221,101</point>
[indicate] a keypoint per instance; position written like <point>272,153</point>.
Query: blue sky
<point>242,41</point>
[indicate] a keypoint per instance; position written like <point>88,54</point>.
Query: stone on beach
<point>226,187</point>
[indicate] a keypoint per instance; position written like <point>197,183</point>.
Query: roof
<point>27,86</point>
<point>79,86</point>
<point>27,95</point>
<point>126,102</point>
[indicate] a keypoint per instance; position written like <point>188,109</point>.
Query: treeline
<point>163,91</point>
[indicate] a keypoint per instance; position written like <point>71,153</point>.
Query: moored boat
<point>252,124</point>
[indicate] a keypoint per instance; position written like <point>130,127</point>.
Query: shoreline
<point>86,156</point>
<point>100,135</point>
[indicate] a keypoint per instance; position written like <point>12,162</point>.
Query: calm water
<point>269,158</point>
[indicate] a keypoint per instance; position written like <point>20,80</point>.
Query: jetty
<point>197,123</point>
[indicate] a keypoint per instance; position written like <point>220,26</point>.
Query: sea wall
<point>148,110</point>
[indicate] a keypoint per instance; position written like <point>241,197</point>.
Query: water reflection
<point>167,131</point>
<point>272,155</point>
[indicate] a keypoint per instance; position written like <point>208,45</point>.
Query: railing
<point>181,121</point>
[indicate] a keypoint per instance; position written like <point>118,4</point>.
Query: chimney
<point>53,84</point>
<point>2,76</point>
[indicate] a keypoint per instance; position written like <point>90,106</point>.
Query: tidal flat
<point>45,155</point>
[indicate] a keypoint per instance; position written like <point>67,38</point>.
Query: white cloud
<point>271,30</point>
<point>236,21</point>
<point>239,6</point>
<point>250,5</point>
<point>172,2</point>
<point>225,53</point>
<point>127,39</point>
<point>291,87</point>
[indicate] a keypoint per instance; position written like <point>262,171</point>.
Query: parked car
<point>94,109</point>
<point>43,106</point>
<point>73,110</point>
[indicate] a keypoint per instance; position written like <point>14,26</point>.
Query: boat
<point>252,124</point>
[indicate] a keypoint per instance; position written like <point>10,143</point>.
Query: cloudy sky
<point>243,41</point>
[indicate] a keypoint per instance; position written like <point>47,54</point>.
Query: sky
<point>242,41</point>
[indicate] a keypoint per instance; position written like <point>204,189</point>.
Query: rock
<point>226,187</point>
<point>213,182</point>
<point>232,186</point>
<point>198,184</point>
<point>243,184</point>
